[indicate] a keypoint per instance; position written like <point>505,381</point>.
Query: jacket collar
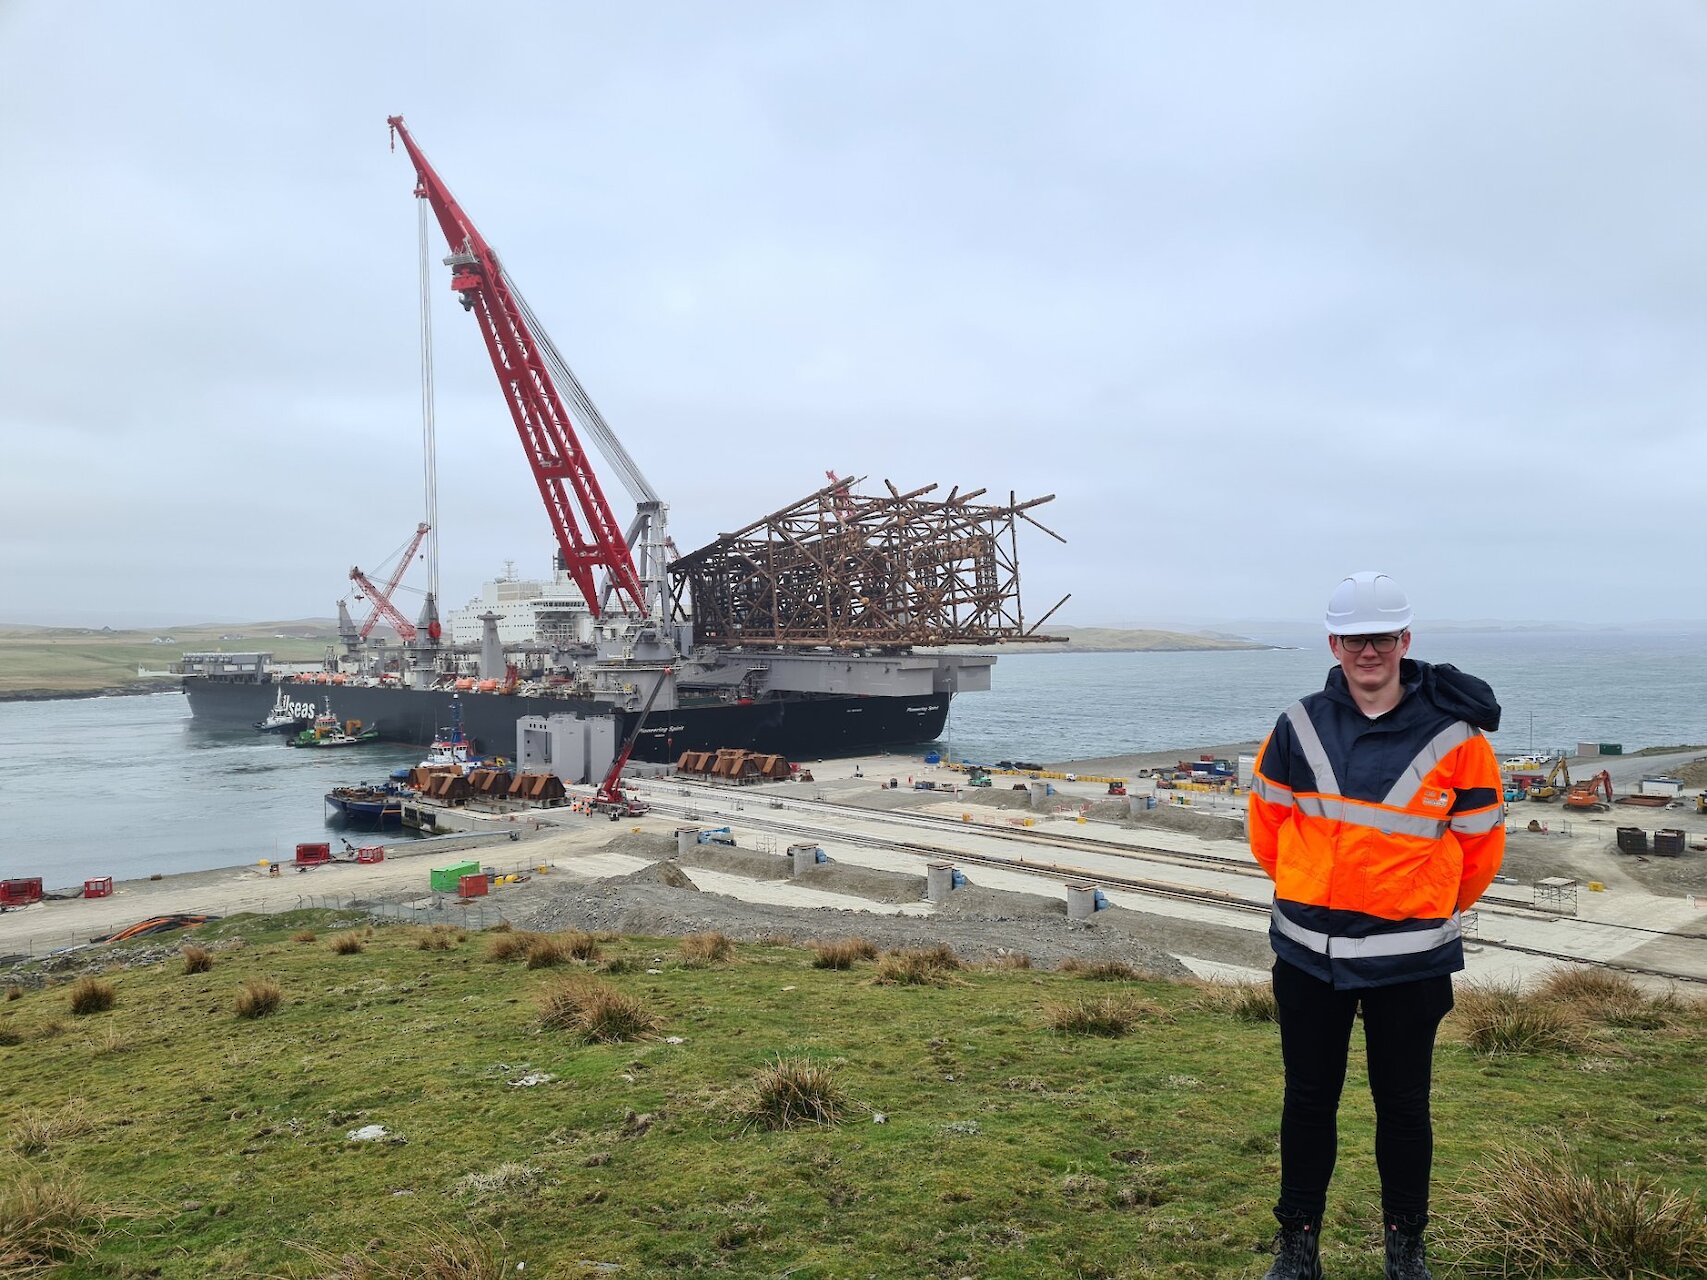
<point>1410,681</point>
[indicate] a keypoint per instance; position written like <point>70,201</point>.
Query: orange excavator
<point>1585,794</point>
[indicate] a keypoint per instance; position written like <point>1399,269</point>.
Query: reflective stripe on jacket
<point>1377,833</point>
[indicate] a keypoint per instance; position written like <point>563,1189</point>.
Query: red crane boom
<point>560,467</point>
<point>403,563</point>
<point>382,607</point>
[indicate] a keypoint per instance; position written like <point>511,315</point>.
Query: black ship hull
<point>801,727</point>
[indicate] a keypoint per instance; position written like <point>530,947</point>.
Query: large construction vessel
<point>802,634</point>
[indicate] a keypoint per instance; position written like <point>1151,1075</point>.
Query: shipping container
<point>449,879</point>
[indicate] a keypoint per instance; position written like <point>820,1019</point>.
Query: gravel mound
<point>996,799</point>
<point>752,863</point>
<point>1210,826</point>
<point>664,873</point>
<point>641,844</point>
<point>992,904</point>
<point>864,882</point>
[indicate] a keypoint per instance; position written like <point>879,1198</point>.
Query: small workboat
<point>328,731</point>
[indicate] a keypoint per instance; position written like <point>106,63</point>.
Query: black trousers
<point>1399,1025</point>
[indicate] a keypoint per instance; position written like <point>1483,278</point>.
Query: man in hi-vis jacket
<point>1377,809</point>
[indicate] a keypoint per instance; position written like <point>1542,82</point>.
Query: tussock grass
<point>596,1011</point>
<point>511,944</point>
<point>348,943</point>
<point>9,1036</point>
<point>580,946</point>
<point>842,953</point>
<point>36,1132</point>
<point>91,995</point>
<point>1011,960</point>
<point>258,997</point>
<point>511,1178</point>
<point>197,959</point>
<point>790,1093</point>
<point>917,967</point>
<point>1611,998</point>
<point>46,1219</point>
<point>439,937</point>
<point>701,949</point>
<point>547,953</point>
<point>1533,1214</point>
<point>438,1252</point>
<point>1246,1001</point>
<point>1497,1018</point>
<point>14,993</point>
<point>305,935</point>
<point>1099,970</point>
<point>1098,1015</point>
<point>111,1039</point>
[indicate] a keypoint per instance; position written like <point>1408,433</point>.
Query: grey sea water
<point>131,786</point>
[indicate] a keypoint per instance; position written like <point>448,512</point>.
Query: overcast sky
<point>1262,293</point>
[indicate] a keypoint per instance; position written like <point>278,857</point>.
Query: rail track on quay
<point>697,805</point>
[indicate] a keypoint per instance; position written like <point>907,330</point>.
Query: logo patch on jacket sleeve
<point>1436,799</point>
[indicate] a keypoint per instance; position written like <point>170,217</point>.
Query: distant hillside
<point>46,662</point>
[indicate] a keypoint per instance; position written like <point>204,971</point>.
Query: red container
<point>312,855</point>
<point>98,888</point>
<point>20,893</point>
<point>371,853</point>
<point>471,887</point>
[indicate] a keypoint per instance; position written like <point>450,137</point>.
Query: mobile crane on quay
<point>609,798</point>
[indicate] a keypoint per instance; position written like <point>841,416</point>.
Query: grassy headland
<point>65,661</point>
<point>999,1122</point>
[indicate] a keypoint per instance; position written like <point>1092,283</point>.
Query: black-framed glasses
<point>1381,644</point>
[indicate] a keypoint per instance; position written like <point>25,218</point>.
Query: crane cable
<point>429,448</point>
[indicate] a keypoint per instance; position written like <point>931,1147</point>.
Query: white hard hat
<point>1367,604</point>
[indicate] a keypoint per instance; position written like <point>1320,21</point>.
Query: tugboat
<point>451,751</point>
<point>328,731</point>
<point>286,716</point>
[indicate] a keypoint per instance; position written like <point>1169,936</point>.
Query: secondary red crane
<point>609,797</point>
<point>560,466</point>
<point>382,598</point>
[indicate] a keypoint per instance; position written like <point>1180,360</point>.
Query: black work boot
<point>1406,1257</point>
<point>1297,1258</point>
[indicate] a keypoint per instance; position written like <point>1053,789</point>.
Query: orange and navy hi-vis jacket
<point>1377,833</point>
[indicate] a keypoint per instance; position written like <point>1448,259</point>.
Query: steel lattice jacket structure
<point>1379,832</point>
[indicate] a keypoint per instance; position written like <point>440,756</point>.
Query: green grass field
<point>170,1137</point>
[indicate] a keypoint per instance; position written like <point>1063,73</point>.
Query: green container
<point>449,879</point>
<point>1612,748</point>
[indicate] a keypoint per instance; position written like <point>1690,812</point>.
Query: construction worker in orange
<point>1376,807</point>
